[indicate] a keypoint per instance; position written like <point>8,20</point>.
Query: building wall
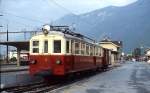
<point>14,54</point>
<point>148,53</point>
<point>109,46</point>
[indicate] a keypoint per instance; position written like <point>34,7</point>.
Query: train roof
<point>67,33</point>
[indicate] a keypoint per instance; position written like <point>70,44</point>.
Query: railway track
<point>42,87</point>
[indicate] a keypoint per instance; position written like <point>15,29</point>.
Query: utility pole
<point>7,41</point>
<point>7,44</point>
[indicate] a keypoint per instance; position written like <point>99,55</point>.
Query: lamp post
<point>7,41</point>
<point>7,44</point>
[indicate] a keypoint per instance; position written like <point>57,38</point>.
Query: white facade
<point>14,54</point>
<point>148,52</point>
<point>50,38</point>
<point>110,46</point>
<point>115,52</point>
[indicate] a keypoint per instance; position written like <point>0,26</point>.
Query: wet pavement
<point>131,77</point>
<point>13,68</point>
<point>15,78</point>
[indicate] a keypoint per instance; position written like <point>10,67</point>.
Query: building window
<point>46,46</point>
<point>67,46</point>
<point>35,45</point>
<point>57,46</point>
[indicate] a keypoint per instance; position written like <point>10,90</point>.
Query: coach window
<point>77,46</point>
<point>45,46</point>
<point>91,50</point>
<point>67,46</point>
<point>35,45</point>
<point>87,49</point>
<point>82,48</point>
<point>57,46</point>
<point>72,47</point>
<point>99,51</point>
<point>96,51</point>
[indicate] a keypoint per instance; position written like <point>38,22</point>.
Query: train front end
<point>46,55</point>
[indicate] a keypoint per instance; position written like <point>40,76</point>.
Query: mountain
<point>130,24</point>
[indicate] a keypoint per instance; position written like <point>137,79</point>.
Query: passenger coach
<point>59,51</point>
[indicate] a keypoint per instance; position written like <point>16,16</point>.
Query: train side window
<point>35,46</point>
<point>82,48</point>
<point>67,46</point>
<point>72,47</point>
<point>46,46</point>
<point>96,51</point>
<point>87,50</point>
<point>57,46</point>
<point>77,47</point>
<point>91,50</point>
<point>99,51</point>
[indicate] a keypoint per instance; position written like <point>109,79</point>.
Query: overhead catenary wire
<point>67,10</point>
<point>62,7</point>
<point>25,18</point>
<point>19,32</point>
<point>20,23</point>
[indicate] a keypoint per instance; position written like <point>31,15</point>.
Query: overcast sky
<point>27,14</point>
<point>30,14</point>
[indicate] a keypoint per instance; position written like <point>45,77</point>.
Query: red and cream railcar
<point>60,53</point>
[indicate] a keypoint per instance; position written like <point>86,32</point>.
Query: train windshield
<point>57,46</point>
<point>35,45</point>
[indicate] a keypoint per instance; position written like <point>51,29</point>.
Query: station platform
<point>12,68</point>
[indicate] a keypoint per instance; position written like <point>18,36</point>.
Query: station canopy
<point>22,45</point>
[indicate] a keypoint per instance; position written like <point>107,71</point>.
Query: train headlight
<point>33,62</point>
<point>58,62</point>
<point>46,29</point>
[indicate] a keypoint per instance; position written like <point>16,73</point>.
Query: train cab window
<point>35,50</point>
<point>35,46</point>
<point>57,46</point>
<point>46,46</point>
<point>35,43</point>
<point>67,46</point>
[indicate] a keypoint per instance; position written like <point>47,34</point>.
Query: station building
<point>115,47</point>
<point>147,54</point>
<point>23,54</point>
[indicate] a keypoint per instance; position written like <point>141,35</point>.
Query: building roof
<point>117,43</point>
<point>22,45</point>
